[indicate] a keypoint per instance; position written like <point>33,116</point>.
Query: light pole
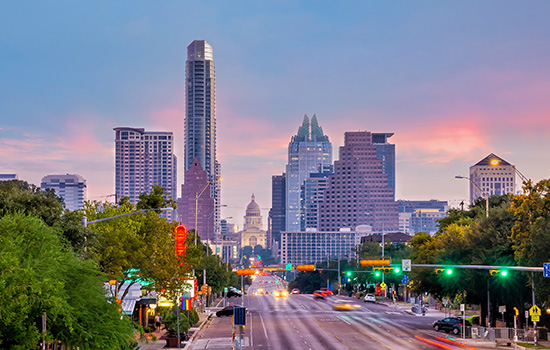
<point>85,221</point>
<point>485,195</point>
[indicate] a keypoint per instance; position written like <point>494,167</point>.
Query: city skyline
<point>452,82</point>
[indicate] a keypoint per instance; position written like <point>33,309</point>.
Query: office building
<point>200,118</point>
<point>358,192</point>
<point>421,216</point>
<point>196,204</point>
<point>309,151</point>
<point>277,213</point>
<point>313,191</point>
<point>8,177</point>
<point>144,159</point>
<point>312,246</point>
<point>252,233</point>
<point>70,187</point>
<point>493,176</point>
<point>386,153</point>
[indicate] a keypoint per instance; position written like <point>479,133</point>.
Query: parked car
<point>226,311</point>
<point>450,324</point>
<point>295,291</point>
<point>370,298</point>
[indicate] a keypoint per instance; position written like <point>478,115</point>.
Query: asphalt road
<point>302,322</point>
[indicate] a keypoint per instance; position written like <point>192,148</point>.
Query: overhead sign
<point>406,265</point>
<point>534,311</point>
<point>546,269</point>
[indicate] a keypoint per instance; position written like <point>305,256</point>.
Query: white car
<point>370,298</point>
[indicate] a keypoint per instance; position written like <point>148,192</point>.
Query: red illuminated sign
<point>180,237</point>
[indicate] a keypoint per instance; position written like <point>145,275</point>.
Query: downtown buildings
<point>491,176</point>
<point>144,159</point>
<point>70,187</point>
<point>200,137</point>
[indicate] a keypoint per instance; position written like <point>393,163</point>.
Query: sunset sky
<point>454,80</point>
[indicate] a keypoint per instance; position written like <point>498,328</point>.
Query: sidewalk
<point>160,343</point>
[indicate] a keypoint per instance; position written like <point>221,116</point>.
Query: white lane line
<point>341,318</point>
<point>263,324</point>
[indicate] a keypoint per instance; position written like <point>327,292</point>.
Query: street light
<point>85,221</point>
<point>485,195</point>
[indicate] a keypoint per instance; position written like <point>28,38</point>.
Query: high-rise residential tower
<point>277,212</point>
<point>309,151</point>
<point>200,117</point>
<point>385,151</point>
<point>143,159</point>
<point>70,187</point>
<point>358,192</point>
<point>493,175</point>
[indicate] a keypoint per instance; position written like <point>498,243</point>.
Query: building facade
<point>144,159</point>
<point>494,176</point>
<point>195,204</point>
<point>309,151</point>
<point>277,213</point>
<point>421,216</point>
<point>358,192</point>
<point>252,233</point>
<point>313,191</point>
<point>385,151</point>
<point>200,117</point>
<point>311,246</point>
<point>70,187</point>
<point>8,177</point>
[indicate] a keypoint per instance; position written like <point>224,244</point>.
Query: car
<point>370,298</point>
<point>260,291</point>
<point>226,311</point>
<point>318,295</point>
<point>450,324</point>
<point>473,319</point>
<point>234,293</point>
<point>295,291</point>
<point>326,292</point>
<point>343,305</point>
<point>280,293</point>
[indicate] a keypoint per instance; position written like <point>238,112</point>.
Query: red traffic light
<point>180,238</point>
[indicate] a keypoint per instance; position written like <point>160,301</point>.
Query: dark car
<point>226,311</point>
<point>450,324</point>
<point>233,292</point>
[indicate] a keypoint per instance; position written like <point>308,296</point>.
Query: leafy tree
<point>307,282</point>
<point>38,274</point>
<point>157,198</point>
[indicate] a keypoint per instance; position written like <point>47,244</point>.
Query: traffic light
<point>502,273</point>
<point>377,273</point>
<point>386,269</point>
<point>396,270</point>
<point>348,273</point>
<point>447,272</point>
<point>309,267</point>
<point>375,262</point>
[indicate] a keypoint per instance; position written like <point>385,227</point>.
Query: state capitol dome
<point>253,209</point>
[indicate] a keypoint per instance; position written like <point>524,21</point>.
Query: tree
<point>38,274</point>
<point>157,198</point>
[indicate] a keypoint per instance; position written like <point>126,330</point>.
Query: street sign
<point>239,314</point>
<point>534,311</point>
<point>405,279</point>
<point>535,318</point>
<point>462,307</point>
<point>546,269</point>
<point>502,309</point>
<point>382,285</point>
<point>406,265</point>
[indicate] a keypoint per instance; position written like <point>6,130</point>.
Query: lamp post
<point>485,195</point>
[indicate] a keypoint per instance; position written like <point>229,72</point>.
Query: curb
<point>188,343</point>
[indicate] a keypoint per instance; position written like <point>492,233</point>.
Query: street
<point>301,322</point>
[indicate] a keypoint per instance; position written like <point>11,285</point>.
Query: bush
<point>171,323</point>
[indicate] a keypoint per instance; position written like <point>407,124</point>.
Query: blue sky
<point>454,80</point>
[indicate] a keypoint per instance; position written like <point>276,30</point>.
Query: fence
<point>500,334</point>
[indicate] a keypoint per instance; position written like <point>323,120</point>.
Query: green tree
<point>38,274</point>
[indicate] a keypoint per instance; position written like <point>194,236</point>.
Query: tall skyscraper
<point>309,151</point>
<point>313,191</point>
<point>70,187</point>
<point>200,117</point>
<point>196,201</point>
<point>493,175</point>
<point>143,159</point>
<point>358,193</point>
<point>277,212</point>
<point>386,153</point>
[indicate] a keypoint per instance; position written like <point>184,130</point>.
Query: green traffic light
<point>377,273</point>
<point>396,270</point>
<point>449,271</point>
<point>349,273</point>
<point>504,273</point>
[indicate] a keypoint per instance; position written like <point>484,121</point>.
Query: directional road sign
<point>406,265</point>
<point>546,269</point>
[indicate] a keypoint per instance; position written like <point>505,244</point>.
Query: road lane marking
<point>319,323</point>
<point>263,325</point>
